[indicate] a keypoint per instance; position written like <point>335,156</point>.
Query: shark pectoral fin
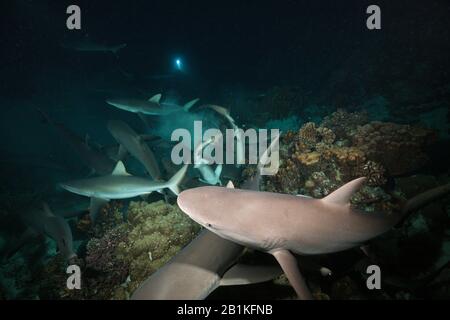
<point>189,104</point>
<point>240,274</point>
<point>343,194</point>
<point>290,267</point>
<point>155,98</point>
<point>96,205</point>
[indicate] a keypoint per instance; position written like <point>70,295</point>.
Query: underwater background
<point>349,102</point>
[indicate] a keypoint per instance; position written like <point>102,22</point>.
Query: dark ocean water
<point>272,64</point>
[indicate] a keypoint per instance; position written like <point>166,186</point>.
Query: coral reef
<point>344,123</point>
<point>319,158</point>
<point>156,232</point>
<point>400,148</point>
<point>120,254</point>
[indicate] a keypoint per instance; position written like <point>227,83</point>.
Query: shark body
<point>240,143</point>
<point>208,262</point>
<point>209,175</point>
<point>119,185</point>
<point>97,161</point>
<point>41,220</point>
<point>152,106</point>
<point>135,145</point>
<point>282,224</point>
<point>87,45</point>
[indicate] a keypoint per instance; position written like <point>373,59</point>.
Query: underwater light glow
<point>178,63</point>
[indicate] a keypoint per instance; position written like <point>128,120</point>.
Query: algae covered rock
<point>131,251</point>
<point>156,232</point>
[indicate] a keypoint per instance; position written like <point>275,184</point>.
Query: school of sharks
<point>250,227</point>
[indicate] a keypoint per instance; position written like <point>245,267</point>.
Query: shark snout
<point>191,202</point>
<point>184,201</point>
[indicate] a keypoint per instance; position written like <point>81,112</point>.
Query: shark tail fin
<point>173,183</point>
<point>189,104</point>
<point>421,200</point>
<point>116,49</point>
<point>343,194</point>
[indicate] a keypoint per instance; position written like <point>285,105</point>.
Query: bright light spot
<point>178,64</point>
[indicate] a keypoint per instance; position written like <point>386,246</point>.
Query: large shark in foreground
<point>282,224</point>
<point>120,185</point>
<point>152,106</point>
<point>135,145</point>
<point>208,262</point>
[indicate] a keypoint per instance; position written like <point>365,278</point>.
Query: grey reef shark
<point>120,185</point>
<point>208,175</point>
<point>86,44</point>
<point>152,106</point>
<point>93,158</point>
<point>41,220</point>
<point>135,144</point>
<point>283,225</point>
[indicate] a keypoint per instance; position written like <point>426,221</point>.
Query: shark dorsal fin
<point>189,104</point>
<point>230,185</point>
<point>120,170</point>
<point>343,194</point>
<point>155,98</point>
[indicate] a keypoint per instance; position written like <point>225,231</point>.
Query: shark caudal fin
<point>173,183</point>
<point>343,194</point>
<point>421,200</point>
<point>189,104</point>
<point>116,49</point>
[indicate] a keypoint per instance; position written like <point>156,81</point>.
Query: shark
<point>41,220</point>
<point>238,134</point>
<point>283,225</point>
<point>135,145</point>
<point>200,268</point>
<point>120,185</point>
<point>202,165</point>
<point>152,106</point>
<point>205,264</point>
<point>88,45</point>
<point>97,161</point>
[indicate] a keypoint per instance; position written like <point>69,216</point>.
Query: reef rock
<point>400,148</point>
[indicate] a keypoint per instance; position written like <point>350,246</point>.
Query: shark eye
<point>209,225</point>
